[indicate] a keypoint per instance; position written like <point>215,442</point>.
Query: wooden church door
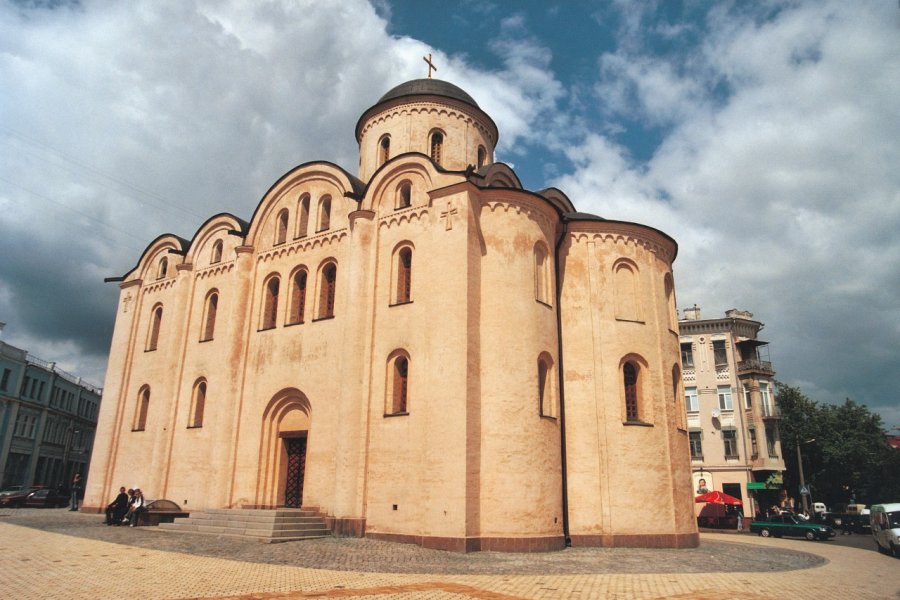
<point>296,465</point>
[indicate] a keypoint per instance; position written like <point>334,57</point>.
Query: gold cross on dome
<point>430,64</point>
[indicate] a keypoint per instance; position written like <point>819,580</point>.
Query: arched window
<point>143,405</point>
<point>384,150</point>
<point>669,287</point>
<point>546,390</point>
<point>630,373</point>
<point>327,283</point>
<point>298,297</point>
<point>155,323</point>
<point>163,268</point>
<point>270,302</point>
<point>281,226</point>
<point>324,213</point>
<point>625,273</point>
<point>678,398</point>
<point>404,276</point>
<point>482,156</point>
<point>541,274</point>
<point>209,319</point>
<point>404,195</point>
<point>398,384</point>
<point>303,215</point>
<point>216,252</point>
<point>437,146</point>
<point>198,403</point>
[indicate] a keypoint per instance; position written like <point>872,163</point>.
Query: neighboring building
<point>732,414</point>
<point>47,421</point>
<point>389,349</point>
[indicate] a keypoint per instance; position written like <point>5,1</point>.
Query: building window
<point>729,438</point>
<point>298,297</point>
<point>696,441</point>
<point>687,355</point>
<point>766,400</point>
<point>327,285</point>
<point>541,274</point>
<point>270,303</point>
<point>198,404</point>
<point>625,276</point>
<point>384,150</point>
<point>398,384</point>
<point>725,402</point>
<point>669,287</point>
<point>216,252</point>
<point>209,321</point>
<point>719,354</point>
<point>324,213</point>
<point>404,276</point>
<point>163,268</point>
<point>748,401</point>
<point>26,424</point>
<point>630,373</point>
<point>437,146</point>
<point>281,227</point>
<point>143,405</point>
<point>482,156</point>
<point>4,381</point>
<point>303,220</point>
<point>546,389</point>
<point>770,442</point>
<point>754,444</point>
<point>404,195</point>
<point>155,324</point>
<point>691,400</point>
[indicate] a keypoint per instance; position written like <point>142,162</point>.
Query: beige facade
<point>426,353</point>
<point>732,415</point>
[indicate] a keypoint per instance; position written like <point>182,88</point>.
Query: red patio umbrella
<point>717,497</point>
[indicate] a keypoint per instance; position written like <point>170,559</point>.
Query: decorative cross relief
<point>448,214</point>
<point>126,301</point>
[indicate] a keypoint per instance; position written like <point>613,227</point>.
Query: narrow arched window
<point>541,274</point>
<point>270,303</point>
<point>327,291</point>
<point>281,226</point>
<point>398,384</point>
<point>198,403</point>
<point>163,269</point>
<point>678,398</point>
<point>303,216</point>
<point>672,312</point>
<point>216,252</point>
<point>482,156</point>
<point>404,275</point>
<point>630,375</point>
<point>384,150</point>
<point>437,146</point>
<point>404,195</point>
<point>625,274</point>
<point>155,324</point>
<point>209,320</point>
<point>546,390</point>
<point>143,406</point>
<point>298,297</point>
<point>324,213</point>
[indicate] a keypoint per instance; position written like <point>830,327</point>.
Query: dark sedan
<point>16,496</point>
<point>47,499</point>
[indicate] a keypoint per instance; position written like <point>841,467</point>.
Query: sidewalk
<point>43,564</point>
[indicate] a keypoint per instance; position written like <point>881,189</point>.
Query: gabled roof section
<point>498,175</point>
<point>167,241</point>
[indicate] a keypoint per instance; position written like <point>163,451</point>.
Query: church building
<point>423,351</point>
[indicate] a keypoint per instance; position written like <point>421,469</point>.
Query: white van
<point>886,527</point>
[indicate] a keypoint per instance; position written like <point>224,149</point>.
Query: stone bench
<point>160,511</point>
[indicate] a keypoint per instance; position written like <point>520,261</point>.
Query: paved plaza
<point>59,554</point>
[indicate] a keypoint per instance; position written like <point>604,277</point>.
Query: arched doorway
<point>282,468</point>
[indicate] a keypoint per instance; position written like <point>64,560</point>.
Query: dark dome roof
<point>431,87</point>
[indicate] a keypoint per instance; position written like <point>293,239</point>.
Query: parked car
<point>788,524</point>
<point>886,527</point>
<point>15,496</point>
<point>47,498</point>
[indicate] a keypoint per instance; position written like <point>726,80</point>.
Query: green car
<point>779,525</point>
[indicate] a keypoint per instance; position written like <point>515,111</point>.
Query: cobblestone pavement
<point>58,554</point>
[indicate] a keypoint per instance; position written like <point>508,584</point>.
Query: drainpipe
<point>562,389</point>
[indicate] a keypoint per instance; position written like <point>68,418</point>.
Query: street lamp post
<point>803,491</point>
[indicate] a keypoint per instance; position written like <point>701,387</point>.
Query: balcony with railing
<point>771,411</point>
<point>754,365</point>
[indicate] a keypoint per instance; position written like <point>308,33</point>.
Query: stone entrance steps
<point>263,525</point>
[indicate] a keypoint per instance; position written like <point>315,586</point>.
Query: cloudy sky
<point>763,136</point>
